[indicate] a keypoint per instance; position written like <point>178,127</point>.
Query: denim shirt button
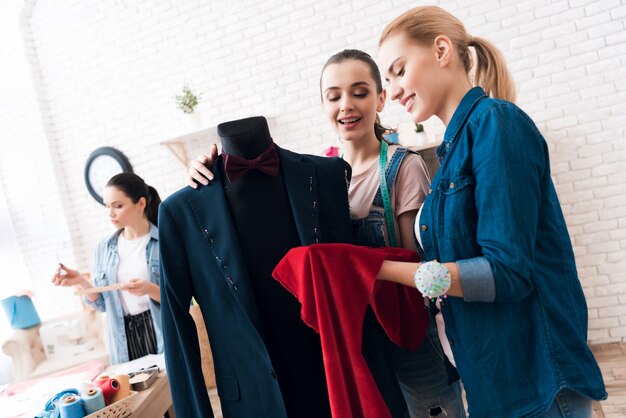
<point>452,185</point>
<point>424,227</point>
<point>430,191</point>
<point>447,145</point>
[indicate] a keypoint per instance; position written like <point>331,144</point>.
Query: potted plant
<point>421,135</point>
<point>187,102</point>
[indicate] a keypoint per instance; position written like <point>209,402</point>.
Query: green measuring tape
<point>384,194</point>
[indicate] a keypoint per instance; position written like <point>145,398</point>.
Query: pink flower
<point>331,151</point>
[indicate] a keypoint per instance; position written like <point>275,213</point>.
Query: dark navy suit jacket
<point>201,257</point>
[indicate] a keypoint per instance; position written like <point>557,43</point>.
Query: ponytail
<point>379,130</point>
<point>492,73</point>
<point>152,205</point>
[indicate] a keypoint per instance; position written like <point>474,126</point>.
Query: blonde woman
<point>515,314</point>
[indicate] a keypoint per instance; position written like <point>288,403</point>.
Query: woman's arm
<point>65,276</point>
<point>402,272</point>
<point>406,222</point>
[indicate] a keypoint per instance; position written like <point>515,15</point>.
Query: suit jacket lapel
<point>301,184</point>
<point>212,214</point>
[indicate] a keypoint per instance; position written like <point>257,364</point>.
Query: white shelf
<point>191,136</point>
<point>176,145</point>
<point>423,147</point>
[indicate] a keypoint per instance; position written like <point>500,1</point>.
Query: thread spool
<point>93,399</point>
<point>71,407</point>
<point>83,387</point>
<point>124,391</point>
<point>109,387</point>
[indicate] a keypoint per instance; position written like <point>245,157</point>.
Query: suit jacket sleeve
<point>182,350</point>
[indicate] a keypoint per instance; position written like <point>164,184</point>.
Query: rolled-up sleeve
<point>477,280</point>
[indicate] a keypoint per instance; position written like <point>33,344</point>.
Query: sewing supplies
<point>114,286</point>
<point>432,279</point>
<point>142,379</point>
<point>384,191</point>
<point>93,400</point>
<point>124,390</point>
<point>66,338</point>
<point>71,407</point>
<point>83,387</point>
<point>109,387</point>
<point>52,405</point>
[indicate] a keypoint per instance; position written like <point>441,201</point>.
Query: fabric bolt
<point>334,284</point>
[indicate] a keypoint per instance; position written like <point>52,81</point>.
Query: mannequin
<point>261,211</point>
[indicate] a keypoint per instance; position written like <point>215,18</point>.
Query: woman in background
<point>130,258</point>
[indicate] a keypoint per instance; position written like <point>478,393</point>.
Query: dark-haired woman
<point>130,257</point>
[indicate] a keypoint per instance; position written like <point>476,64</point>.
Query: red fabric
<point>335,283</point>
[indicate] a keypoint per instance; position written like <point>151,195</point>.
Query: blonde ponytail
<point>492,73</point>
<point>423,24</point>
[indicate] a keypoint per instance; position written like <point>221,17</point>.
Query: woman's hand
<point>64,276</point>
<point>137,287</point>
<point>141,287</point>
<point>200,168</point>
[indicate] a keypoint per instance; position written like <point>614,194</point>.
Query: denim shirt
<point>519,335</point>
<point>104,272</point>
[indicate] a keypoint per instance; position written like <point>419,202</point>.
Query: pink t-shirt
<point>407,193</point>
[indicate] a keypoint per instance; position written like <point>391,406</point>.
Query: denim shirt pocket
<point>155,271</point>
<point>457,209</point>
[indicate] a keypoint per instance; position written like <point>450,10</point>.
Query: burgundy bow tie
<point>237,167</point>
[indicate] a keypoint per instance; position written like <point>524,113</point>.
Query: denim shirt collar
<point>459,118</point>
<point>112,242</point>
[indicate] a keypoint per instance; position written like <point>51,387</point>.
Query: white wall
<point>77,75</point>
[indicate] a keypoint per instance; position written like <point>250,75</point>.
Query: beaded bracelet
<point>432,279</point>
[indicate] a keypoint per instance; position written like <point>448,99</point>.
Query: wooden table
<point>155,401</point>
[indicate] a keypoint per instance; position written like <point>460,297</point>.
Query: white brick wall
<point>85,74</point>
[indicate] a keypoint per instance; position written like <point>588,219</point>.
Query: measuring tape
<point>384,194</point>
